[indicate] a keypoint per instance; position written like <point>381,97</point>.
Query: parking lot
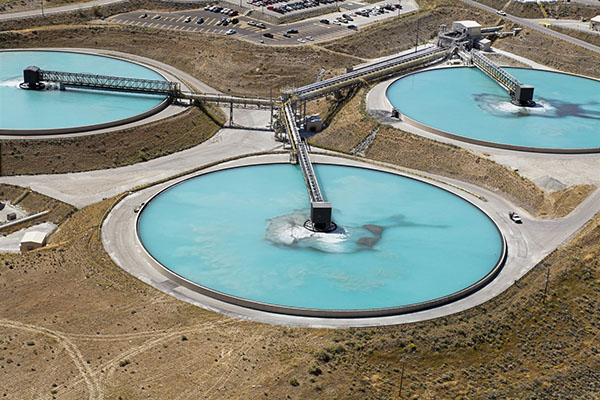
<point>219,22</point>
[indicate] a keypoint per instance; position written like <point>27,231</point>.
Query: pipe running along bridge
<point>521,94</point>
<point>320,218</point>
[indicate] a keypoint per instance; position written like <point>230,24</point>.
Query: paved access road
<point>537,27</point>
<point>56,10</point>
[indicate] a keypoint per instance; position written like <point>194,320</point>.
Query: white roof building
<point>33,240</point>
<point>595,23</point>
<point>472,28</point>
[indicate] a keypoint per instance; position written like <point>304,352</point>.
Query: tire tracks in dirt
<point>88,376</point>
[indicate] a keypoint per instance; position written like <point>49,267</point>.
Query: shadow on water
<point>544,108</point>
<point>287,231</point>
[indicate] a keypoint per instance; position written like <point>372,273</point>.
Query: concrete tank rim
<point>485,143</point>
<point>357,314</point>
<point>138,119</point>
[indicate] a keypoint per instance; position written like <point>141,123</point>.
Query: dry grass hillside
<point>552,52</point>
<point>32,203</point>
<point>108,150</point>
<point>570,10</point>
<point>73,326</point>
<point>400,33</point>
<point>227,64</point>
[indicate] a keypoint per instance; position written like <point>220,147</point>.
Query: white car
<point>300,40</point>
<point>336,22</point>
<point>515,217</point>
<point>309,38</point>
<point>187,19</point>
<point>230,32</point>
<point>501,12</point>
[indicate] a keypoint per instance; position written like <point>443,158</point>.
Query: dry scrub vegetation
<point>399,33</point>
<point>108,150</point>
<point>73,325</point>
<point>552,52</point>
<point>33,203</point>
<point>228,65</point>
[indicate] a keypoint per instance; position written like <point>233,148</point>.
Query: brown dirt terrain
<point>25,5</point>
<point>214,59</point>
<point>73,326</point>
<point>552,52</point>
<point>565,10</point>
<point>33,203</point>
<point>108,150</point>
<point>401,32</point>
<point>81,16</point>
<point>561,202</point>
<point>586,37</point>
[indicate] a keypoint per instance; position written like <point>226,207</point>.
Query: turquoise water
<point>465,102</point>
<point>400,242</point>
<point>52,109</point>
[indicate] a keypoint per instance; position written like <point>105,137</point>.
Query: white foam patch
<point>12,82</point>
<point>499,106</point>
<point>288,230</point>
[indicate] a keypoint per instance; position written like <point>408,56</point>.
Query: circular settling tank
<point>467,103</point>
<point>45,111</point>
<point>399,243</point>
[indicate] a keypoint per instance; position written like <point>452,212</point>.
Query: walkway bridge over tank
<point>320,219</point>
<point>520,93</point>
<point>370,72</point>
<point>320,210</point>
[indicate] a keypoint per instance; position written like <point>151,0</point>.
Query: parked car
<point>187,19</point>
<point>287,35</point>
<point>352,27</point>
<point>200,20</point>
<point>349,18</point>
<point>268,35</point>
<point>292,31</point>
<point>230,32</point>
<point>157,16</point>
<point>309,38</point>
<point>324,21</point>
<point>235,21</point>
<point>144,15</point>
<point>261,25</point>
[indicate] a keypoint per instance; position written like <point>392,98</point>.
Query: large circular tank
<point>401,244</point>
<point>31,112</point>
<point>466,104</point>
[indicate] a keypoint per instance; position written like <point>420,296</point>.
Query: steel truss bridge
<point>320,209</point>
<point>520,93</point>
<point>112,83</point>
<point>370,72</point>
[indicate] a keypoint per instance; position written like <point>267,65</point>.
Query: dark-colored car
<point>292,31</point>
<point>268,35</point>
<point>324,21</point>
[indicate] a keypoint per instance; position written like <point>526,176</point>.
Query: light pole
<point>417,39</point>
